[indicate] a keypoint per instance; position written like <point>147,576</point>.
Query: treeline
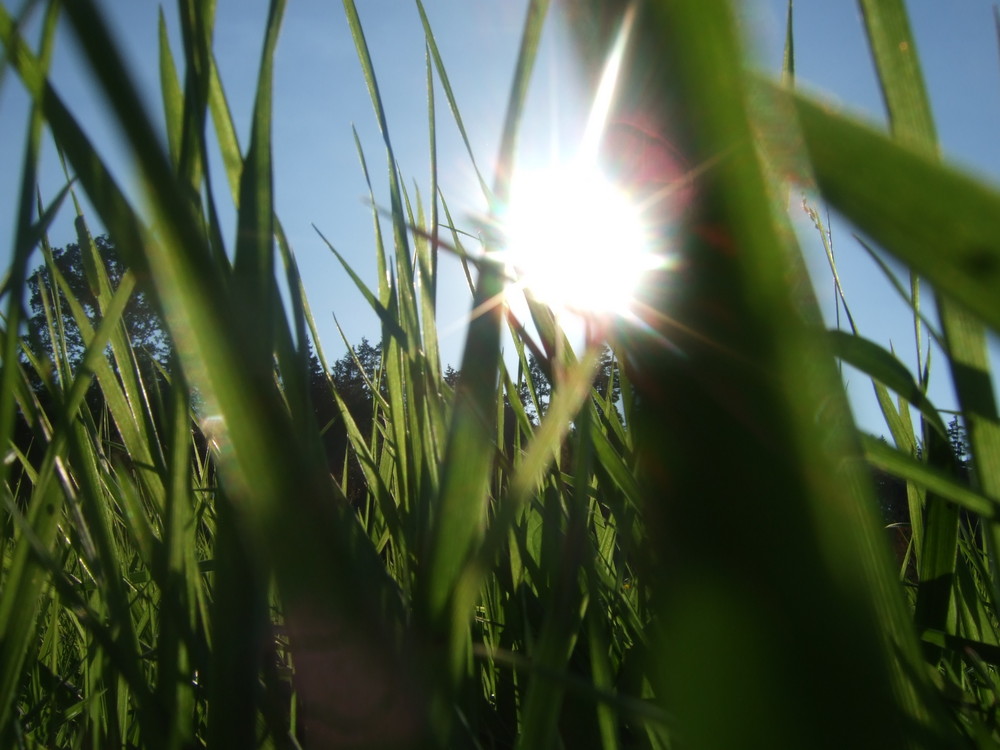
<point>54,343</point>
<point>53,338</point>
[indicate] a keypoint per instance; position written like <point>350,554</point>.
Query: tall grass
<point>701,565</point>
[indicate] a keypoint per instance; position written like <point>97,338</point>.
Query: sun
<point>575,240</point>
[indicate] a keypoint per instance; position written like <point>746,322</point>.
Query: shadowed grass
<point>699,564</point>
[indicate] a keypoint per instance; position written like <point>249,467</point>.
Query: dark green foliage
<point>142,322</point>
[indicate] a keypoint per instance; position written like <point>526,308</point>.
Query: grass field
<point>700,565</point>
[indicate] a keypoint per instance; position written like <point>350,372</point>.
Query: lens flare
<point>575,240</point>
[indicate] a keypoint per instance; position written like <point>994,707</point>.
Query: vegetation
<point>515,559</point>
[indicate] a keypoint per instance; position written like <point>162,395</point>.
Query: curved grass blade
<point>940,222</point>
<point>930,477</point>
<point>882,366</point>
<point>450,96</point>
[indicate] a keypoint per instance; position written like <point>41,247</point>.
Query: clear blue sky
<point>320,93</point>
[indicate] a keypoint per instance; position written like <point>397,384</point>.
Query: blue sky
<point>320,93</point>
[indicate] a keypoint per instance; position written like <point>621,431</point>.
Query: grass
<point>701,565</point>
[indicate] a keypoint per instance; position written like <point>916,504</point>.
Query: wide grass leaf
<point>940,222</point>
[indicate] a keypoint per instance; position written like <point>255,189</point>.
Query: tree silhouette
<point>351,376</point>
<point>353,372</point>
<point>605,377</point>
<point>959,441</point>
<point>142,322</point>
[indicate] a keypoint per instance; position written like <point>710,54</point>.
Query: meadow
<point>690,555</point>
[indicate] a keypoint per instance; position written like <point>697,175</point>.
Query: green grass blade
<point>941,223</point>
<point>253,267</point>
<point>386,317</point>
<point>196,29</point>
<point>882,366</point>
<point>788,59</point>
<point>173,99</point>
<point>751,384</point>
<point>450,96</point>
<point>27,236</point>
<point>225,131</point>
<point>898,66</point>
<point>911,469</point>
<point>458,523</point>
<point>398,217</point>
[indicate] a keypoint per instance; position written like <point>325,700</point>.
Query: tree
<point>352,381</point>
<point>142,321</point>
<point>608,375</point>
<point>351,375</point>
<point>605,377</point>
<point>959,441</point>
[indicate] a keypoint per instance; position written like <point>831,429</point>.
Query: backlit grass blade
<point>898,67</point>
<point>253,267</point>
<point>456,243</point>
<point>751,385</point>
<point>259,454</point>
<point>450,95</point>
<point>882,366</point>
<point>911,469</point>
<point>386,317</point>
<point>940,222</point>
<point>788,59</point>
<point>432,271</point>
<point>225,132</point>
<point>173,99</point>
<point>27,235</point>
<point>398,217</point>
<point>197,20</point>
<point>458,523</point>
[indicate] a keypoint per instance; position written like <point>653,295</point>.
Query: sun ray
<point>600,111</point>
<point>571,235</point>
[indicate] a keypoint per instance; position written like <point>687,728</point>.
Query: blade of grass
<point>450,96</point>
<point>935,207</point>
<point>258,444</point>
<point>460,517</point>
<point>753,385</point>
<point>873,360</point>
<point>27,234</point>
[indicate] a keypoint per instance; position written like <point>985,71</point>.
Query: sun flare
<point>575,240</point>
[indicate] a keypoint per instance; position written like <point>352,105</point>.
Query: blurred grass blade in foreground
<point>756,389</point>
